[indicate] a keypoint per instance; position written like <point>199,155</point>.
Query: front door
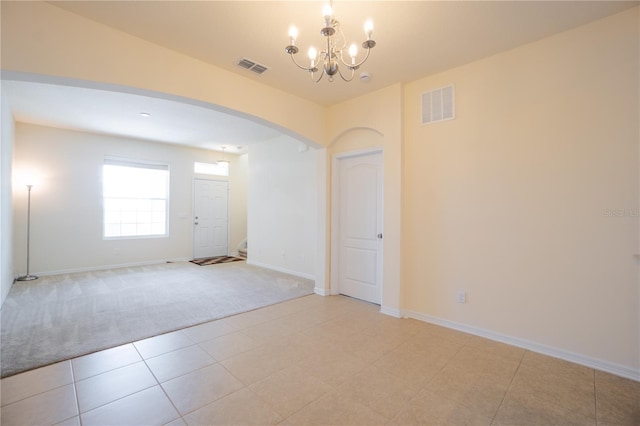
<point>360,226</point>
<point>210,224</point>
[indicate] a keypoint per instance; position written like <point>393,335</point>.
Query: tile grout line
<point>35,394</point>
<point>247,387</point>
<point>75,391</point>
<point>465,345</point>
<point>160,384</point>
<point>200,407</point>
<point>515,373</point>
<point>244,386</point>
<point>282,417</point>
<point>425,386</point>
<point>142,360</point>
<point>119,399</point>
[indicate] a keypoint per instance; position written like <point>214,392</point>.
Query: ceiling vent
<point>252,66</point>
<point>438,105</point>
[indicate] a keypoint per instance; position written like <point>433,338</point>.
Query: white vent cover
<point>250,65</point>
<point>438,105</point>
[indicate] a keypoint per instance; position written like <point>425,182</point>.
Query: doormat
<point>215,260</point>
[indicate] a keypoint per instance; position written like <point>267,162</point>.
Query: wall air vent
<point>438,105</point>
<point>252,66</point>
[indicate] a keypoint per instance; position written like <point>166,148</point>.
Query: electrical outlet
<point>462,297</point>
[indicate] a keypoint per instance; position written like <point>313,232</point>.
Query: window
<point>135,198</point>
<point>217,169</point>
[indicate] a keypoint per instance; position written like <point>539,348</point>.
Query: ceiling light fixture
<point>223,160</point>
<point>328,60</point>
<point>145,114</point>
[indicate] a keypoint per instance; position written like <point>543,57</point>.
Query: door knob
<point>380,236</point>
<point>196,223</point>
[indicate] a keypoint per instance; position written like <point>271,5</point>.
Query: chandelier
<point>329,60</point>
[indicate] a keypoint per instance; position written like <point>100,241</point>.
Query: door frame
<point>335,217</point>
<point>193,213</point>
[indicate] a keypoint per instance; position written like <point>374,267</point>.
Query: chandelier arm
<point>346,79</point>
<point>356,66</point>
<point>318,79</point>
<point>310,69</point>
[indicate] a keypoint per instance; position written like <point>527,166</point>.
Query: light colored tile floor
<point>317,360</point>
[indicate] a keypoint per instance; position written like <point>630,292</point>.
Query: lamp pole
<point>28,277</point>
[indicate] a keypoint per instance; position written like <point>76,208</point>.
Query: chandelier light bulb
<point>368,29</point>
<point>293,34</point>
<point>327,12</point>
<point>353,52</point>
<point>312,55</point>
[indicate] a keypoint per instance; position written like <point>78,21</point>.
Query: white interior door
<point>360,226</point>
<point>211,218</point>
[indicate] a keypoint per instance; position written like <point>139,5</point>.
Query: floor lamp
<point>28,277</point>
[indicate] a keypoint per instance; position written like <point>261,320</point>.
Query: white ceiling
<point>414,39</point>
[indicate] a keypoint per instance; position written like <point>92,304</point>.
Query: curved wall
<point>41,39</point>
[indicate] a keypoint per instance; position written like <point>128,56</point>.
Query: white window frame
<point>211,169</point>
<point>122,162</point>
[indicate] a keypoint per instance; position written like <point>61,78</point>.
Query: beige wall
<point>509,202</point>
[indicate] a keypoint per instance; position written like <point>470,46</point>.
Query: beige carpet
<point>60,317</point>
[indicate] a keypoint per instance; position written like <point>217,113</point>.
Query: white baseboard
<point>390,311</point>
<point>321,291</point>
<point>103,267</point>
<point>597,364</point>
<point>283,270</point>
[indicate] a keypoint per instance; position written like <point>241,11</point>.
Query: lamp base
<point>27,277</point>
